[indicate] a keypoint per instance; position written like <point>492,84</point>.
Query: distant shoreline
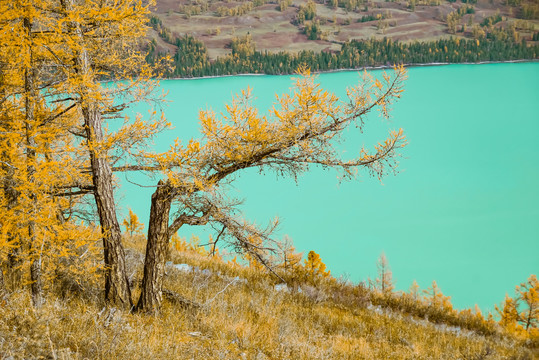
<point>379,67</point>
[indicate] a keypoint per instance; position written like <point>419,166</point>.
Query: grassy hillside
<point>237,312</point>
<point>66,283</point>
<point>213,38</point>
<point>277,25</point>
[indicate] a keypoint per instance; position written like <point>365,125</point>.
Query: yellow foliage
<point>520,316</point>
<point>193,245</point>
<point>54,104</point>
<point>300,130</point>
<point>45,89</point>
<point>132,225</point>
<point>435,298</point>
<point>314,266</point>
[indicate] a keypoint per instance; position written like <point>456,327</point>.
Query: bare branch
<point>189,220</point>
<point>131,167</point>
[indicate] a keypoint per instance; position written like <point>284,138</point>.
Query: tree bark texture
<point>117,291</point>
<point>3,291</point>
<point>156,250</point>
<point>11,195</point>
<point>31,95</point>
<point>14,273</point>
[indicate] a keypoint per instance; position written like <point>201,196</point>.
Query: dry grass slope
<point>239,315</point>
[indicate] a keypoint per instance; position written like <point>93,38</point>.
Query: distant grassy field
<point>273,29</point>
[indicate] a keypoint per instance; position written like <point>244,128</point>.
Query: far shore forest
<point>493,37</point>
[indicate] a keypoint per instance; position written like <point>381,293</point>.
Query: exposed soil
<point>274,30</point>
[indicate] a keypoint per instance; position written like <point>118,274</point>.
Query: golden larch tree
<point>414,290</point>
<point>437,299</point>
<point>314,267</point>
<point>528,294</point>
<point>520,315</point>
<point>89,29</point>
<point>38,169</point>
<point>132,224</point>
<point>69,47</point>
<point>299,132</point>
<point>289,260</point>
<point>56,55</point>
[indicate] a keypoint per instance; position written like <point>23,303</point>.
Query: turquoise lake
<point>463,209</point>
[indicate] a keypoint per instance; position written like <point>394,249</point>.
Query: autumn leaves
<point>57,151</point>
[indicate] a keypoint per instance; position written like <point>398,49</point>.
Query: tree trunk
<point>117,289</point>
<point>3,291</point>
<point>11,196</point>
<point>14,273</point>
<point>156,250</point>
<point>31,95</point>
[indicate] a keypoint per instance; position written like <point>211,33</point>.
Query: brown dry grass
<point>240,318</point>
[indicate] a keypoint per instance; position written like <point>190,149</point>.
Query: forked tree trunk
<point>117,291</point>
<point>156,250</point>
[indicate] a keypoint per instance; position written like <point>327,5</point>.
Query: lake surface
<point>463,210</point>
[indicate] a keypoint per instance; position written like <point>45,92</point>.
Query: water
<point>463,209</point>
